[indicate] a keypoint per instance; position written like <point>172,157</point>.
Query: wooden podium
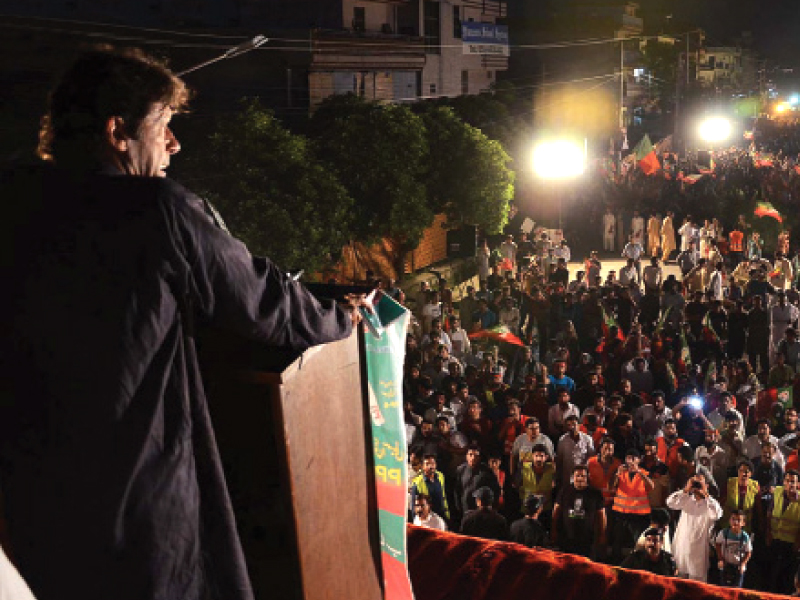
<point>293,432</point>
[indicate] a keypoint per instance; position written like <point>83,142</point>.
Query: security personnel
<point>742,492</point>
<point>631,505</point>
<point>431,483</point>
<point>783,533</point>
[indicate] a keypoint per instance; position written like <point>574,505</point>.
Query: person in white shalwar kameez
<point>699,512</point>
<point>782,315</point>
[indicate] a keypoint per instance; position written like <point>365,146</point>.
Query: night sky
<point>775,24</point>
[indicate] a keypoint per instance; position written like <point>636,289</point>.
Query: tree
<point>379,153</point>
<point>661,60</point>
<point>468,178</point>
<point>271,191</point>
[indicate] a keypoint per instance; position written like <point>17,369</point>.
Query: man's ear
<point>115,134</point>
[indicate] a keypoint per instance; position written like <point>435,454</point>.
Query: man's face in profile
<point>148,153</point>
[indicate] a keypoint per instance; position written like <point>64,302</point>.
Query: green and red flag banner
<point>709,333</point>
<point>711,376</point>
<point>645,155</point>
<point>663,319</point>
<point>762,163</point>
<point>691,179</point>
<point>385,338</point>
<point>499,333</point>
<point>772,403</point>
<point>608,323</point>
<point>686,355</point>
<point>765,209</point>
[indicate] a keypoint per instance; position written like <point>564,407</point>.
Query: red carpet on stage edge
<point>445,566</point>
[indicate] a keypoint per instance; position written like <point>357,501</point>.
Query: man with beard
<point>653,558</point>
<point>574,448</point>
<point>699,511</point>
<point>631,506</point>
<point>471,476</point>
<point>579,517</point>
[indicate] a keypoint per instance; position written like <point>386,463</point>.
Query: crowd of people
<point>637,419</point>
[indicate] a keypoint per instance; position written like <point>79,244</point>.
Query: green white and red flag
<point>686,356</point>
<point>709,333</point>
<point>608,323</point>
<point>645,155</point>
<point>765,209</point>
<point>499,333</point>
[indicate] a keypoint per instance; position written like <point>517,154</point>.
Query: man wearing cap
<point>579,516</point>
<point>484,521</point>
<point>699,511</point>
<point>631,506</point>
<point>528,531</point>
<point>653,558</point>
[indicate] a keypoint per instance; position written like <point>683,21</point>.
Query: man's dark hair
<point>101,84</point>
<point>423,498</point>
<point>429,457</point>
<point>539,448</point>
<point>660,516</point>
<point>686,453</point>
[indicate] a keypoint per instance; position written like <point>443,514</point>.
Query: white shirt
<point>509,250</point>
<point>609,224</point>
<point>637,228</point>
<point>563,252</point>
<point>460,342</point>
<point>524,445</point>
<point>692,536</point>
<point>650,422</point>
<point>556,416</point>
<point>686,232</point>
<point>627,275</point>
<point>12,586</point>
<point>715,285</point>
<point>633,250</point>
<point>433,521</point>
<point>752,449</point>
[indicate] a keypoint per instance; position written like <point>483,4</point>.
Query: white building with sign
<point>465,45</point>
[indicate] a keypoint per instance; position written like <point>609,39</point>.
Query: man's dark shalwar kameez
<point>110,472</point>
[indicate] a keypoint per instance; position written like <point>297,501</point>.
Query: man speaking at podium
<point>111,476</point>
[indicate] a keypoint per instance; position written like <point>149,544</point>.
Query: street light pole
<point>621,83</point>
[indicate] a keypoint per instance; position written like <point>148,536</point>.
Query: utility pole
<point>621,83</point>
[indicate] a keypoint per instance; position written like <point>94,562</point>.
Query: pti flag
<point>499,333</point>
<point>385,338</point>
<point>765,209</point>
<point>646,157</point>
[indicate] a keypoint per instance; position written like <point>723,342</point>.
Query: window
<point>712,62</point>
<point>433,89</point>
<point>433,36</point>
<point>464,82</point>
<point>457,22</point>
<point>359,18</point>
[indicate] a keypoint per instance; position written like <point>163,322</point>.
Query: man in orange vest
<point>668,446</point>
<point>631,507</point>
<point>736,247</point>
<point>602,468</point>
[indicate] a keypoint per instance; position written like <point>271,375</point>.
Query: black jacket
<point>485,523</point>
<point>107,458</point>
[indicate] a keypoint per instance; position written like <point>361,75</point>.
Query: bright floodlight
<point>715,129</point>
<point>559,159</point>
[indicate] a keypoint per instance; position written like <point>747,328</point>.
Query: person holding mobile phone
<point>699,511</point>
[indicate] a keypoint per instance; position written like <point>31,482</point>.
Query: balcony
<point>367,50</point>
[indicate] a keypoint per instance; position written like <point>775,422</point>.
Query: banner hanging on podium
<point>385,337</point>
